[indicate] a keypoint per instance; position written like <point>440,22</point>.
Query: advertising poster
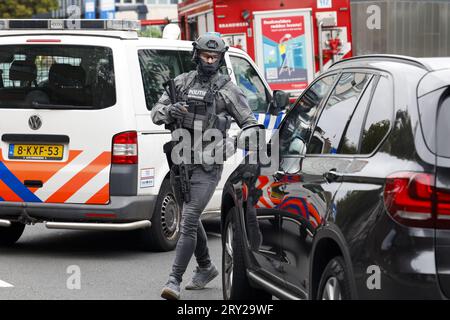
<point>284,50</point>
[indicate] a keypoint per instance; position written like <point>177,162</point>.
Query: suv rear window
<point>56,76</point>
<point>436,102</point>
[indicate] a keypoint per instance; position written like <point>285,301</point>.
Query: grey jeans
<point>193,239</point>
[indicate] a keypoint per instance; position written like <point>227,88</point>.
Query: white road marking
<point>4,284</point>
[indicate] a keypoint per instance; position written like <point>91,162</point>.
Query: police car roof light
<point>70,24</point>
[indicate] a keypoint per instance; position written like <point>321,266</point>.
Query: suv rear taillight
<point>408,198</point>
<point>125,148</point>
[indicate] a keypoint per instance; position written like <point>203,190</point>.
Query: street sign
<point>324,4</point>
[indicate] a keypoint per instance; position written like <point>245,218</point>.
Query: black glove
<point>178,110</point>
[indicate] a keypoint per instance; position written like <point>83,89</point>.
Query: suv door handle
<point>333,176</point>
<point>279,175</point>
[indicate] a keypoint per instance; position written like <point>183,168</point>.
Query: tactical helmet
<point>210,41</point>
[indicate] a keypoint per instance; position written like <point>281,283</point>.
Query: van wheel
<point>10,235</point>
<point>235,282</point>
<point>334,283</point>
<point>164,232</point>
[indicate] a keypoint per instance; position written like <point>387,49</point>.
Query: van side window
<point>336,113</point>
<point>251,84</point>
<point>296,129</point>
<point>186,61</point>
<point>379,117</point>
<point>157,66</point>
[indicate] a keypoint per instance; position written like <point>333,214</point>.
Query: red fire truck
<point>291,41</point>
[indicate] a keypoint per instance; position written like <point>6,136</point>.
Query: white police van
<point>78,148</point>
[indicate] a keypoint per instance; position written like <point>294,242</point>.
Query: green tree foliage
<point>17,9</point>
<point>152,32</point>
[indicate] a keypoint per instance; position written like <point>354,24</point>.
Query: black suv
<point>358,203</point>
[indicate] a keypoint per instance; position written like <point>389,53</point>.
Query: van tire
<point>10,235</point>
<point>164,232</point>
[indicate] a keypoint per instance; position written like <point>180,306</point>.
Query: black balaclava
<point>207,70</point>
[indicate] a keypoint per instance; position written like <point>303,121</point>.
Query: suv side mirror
<point>297,147</point>
<point>280,101</point>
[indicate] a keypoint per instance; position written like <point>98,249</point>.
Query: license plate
<point>36,151</point>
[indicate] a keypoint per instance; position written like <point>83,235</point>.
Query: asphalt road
<point>44,264</point>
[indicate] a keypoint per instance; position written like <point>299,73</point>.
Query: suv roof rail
<point>391,57</point>
<point>69,24</point>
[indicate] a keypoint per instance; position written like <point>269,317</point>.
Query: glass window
<point>66,76</point>
<point>295,130</point>
<point>443,128</point>
<point>336,113</point>
<point>352,136</point>
<point>248,80</point>
<point>379,117</point>
<point>193,28</point>
<point>158,66</point>
<point>428,108</point>
<point>186,61</point>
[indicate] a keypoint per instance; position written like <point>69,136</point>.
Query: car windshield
<point>56,75</point>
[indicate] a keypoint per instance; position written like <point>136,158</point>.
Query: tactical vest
<point>201,101</point>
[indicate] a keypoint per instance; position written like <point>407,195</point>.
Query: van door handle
<point>333,176</point>
<point>33,183</point>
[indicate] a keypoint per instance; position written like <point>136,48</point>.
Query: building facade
<point>117,9</point>
<point>147,9</point>
<point>419,28</point>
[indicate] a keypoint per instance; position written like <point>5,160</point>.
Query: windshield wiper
<point>37,105</point>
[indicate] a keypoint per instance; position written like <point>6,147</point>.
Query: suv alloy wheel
<point>334,283</point>
<point>235,282</point>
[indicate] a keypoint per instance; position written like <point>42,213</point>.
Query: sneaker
<point>202,276</point>
<point>171,290</point>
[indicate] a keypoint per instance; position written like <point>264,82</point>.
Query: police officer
<point>210,96</point>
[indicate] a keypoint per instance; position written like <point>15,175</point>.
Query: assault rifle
<point>180,171</point>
